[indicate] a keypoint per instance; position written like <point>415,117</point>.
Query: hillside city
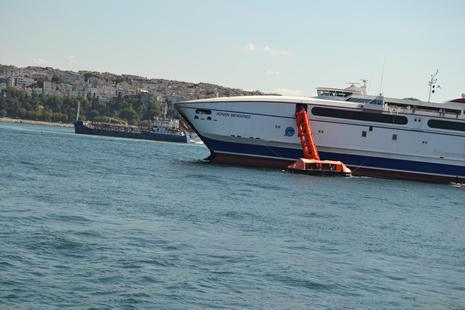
<point>105,85</point>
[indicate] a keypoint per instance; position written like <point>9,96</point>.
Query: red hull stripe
<point>251,161</point>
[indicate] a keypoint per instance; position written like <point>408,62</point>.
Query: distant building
<point>23,82</point>
<point>50,85</point>
<point>37,90</point>
<point>101,97</point>
<point>71,77</point>
<point>109,90</point>
<point>66,87</point>
<point>146,97</point>
<point>175,98</point>
<point>79,93</point>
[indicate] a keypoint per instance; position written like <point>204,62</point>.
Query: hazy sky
<point>290,47</point>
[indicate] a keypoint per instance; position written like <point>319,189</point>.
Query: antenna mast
<point>79,108</point>
<point>382,76</point>
<point>431,83</point>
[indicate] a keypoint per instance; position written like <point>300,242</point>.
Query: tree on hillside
<point>39,82</point>
<point>130,115</point>
<point>120,79</point>
<point>45,107</point>
<point>56,79</point>
<point>92,114</point>
<point>88,75</point>
<point>54,103</point>
<point>21,112</point>
<point>153,109</point>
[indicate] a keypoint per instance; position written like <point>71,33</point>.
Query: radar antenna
<point>364,87</point>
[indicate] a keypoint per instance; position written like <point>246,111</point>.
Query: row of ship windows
<point>383,118</point>
<point>333,93</point>
<point>369,117</point>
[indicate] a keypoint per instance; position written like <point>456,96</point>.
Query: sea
<point>89,222</point>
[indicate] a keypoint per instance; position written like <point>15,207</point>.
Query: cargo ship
<point>161,129</point>
<point>374,136</point>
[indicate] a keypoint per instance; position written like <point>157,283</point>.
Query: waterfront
<point>30,122</point>
<point>107,223</point>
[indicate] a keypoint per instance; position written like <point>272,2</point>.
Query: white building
<point>28,92</point>
<point>93,81</point>
<point>78,93</point>
<point>102,97</point>
<point>123,86</point>
<point>175,99</point>
<point>49,92</point>
<point>132,91</point>
<point>95,90</point>
<point>61,94</point>
<point>71,77</point>
<point>109,90</point>
<point>50,85</point>
<point>37,90</point>
<point>23,82</point>
<point>65,87</point>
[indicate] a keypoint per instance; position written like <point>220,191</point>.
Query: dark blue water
<point>104,223</point>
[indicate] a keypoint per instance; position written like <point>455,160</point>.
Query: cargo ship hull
<point>81,128</point>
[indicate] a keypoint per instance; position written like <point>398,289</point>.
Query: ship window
<point>394,137</point>
<point>196,117</point>
<point>364,134</point>
<point>432,123</point>
<point>377,102</point>
<point>359,100</point>
<point>333,93</point>
<point>360,116</point>
<point>203,111</point>
<point>209,118</point>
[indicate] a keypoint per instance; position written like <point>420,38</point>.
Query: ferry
<point>373,136</point>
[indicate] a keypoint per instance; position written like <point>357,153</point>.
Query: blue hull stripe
<point>352,161</point>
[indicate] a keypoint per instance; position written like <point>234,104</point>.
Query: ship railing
<point>167,131</point>
<point>425,112</point>
<point>446,114</point>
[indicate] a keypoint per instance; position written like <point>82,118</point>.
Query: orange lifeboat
<point>320,167</point>
<point>312,164</point>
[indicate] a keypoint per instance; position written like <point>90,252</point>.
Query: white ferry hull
<point>262,132</point>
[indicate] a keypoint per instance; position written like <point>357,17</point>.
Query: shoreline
<point>23,121</point>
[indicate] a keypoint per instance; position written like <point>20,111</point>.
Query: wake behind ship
<point>373,135</point>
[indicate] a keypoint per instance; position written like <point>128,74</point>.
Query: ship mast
<point>165,111</point>
<point>431,83</point>
<point>79,108</point>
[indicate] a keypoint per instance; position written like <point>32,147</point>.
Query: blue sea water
<point>91,222</point>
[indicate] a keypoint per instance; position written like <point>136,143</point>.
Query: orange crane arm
<point>306,135</point>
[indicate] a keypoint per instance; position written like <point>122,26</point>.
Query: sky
<point>288,47</point>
